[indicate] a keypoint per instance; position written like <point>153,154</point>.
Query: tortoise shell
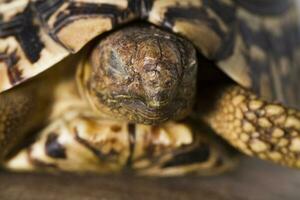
<point>254,42</point>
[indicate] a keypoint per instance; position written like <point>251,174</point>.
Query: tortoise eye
<point>116,65</point>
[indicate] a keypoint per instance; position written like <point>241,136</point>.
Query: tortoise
<point>184,69</point>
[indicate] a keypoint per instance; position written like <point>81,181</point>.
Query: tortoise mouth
<point>138,111</point>
<point>147,112</point>
<point>134,109</point>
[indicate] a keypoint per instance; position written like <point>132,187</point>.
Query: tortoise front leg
<point>20,113</point>
<point>80,141</point>
<point>269,131</point>
<point>28,106</point>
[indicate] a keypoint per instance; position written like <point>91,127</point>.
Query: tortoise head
<point>142,75</point>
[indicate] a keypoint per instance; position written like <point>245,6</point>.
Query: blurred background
<point>254,179</point>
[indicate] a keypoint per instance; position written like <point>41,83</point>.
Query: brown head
<point>142,75</point>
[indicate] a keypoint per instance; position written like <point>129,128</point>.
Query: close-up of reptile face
<point>143,75</point>
<point>179,89</point>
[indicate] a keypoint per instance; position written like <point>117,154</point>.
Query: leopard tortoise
<point>153,79</point>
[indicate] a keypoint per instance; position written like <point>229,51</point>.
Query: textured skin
<point>256,127</point>
<point>28,107</point>
<point>22,110</point>
<point>258,49</point>
<point>254,42</point>
<point>79,141</point>
<point>142,75</point>
<point>14,107</point>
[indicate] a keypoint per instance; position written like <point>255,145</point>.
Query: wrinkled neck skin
<point>141,74</point>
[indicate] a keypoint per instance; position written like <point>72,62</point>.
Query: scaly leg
<point>25,107</point>
<point>269,131</point>
<point>20,113</point>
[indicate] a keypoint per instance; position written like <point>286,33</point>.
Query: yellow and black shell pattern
<point>255,42</point>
